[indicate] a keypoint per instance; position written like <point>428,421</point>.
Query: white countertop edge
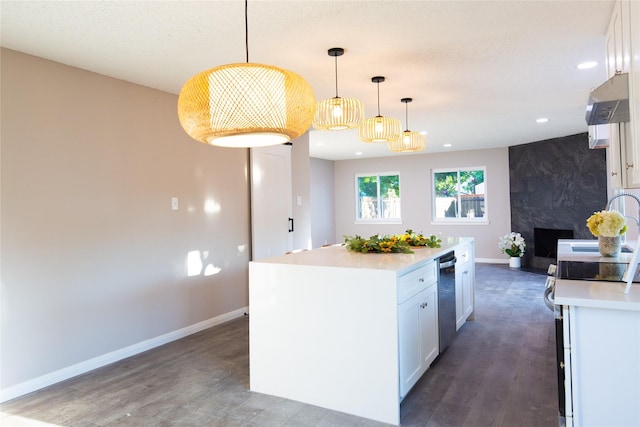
<point>337,256</point>
<point>609,295</point>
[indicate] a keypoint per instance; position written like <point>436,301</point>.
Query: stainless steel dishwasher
<point>447,299</point>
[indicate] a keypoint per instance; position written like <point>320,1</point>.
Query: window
<point>459,195</point>
<point>378,197</point>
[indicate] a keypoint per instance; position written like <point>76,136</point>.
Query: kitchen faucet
<point>624,193</point>
<point>630,272</point>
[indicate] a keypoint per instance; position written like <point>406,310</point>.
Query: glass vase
<point>609,246</point>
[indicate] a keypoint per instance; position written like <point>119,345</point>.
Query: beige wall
<point>322,201</point>
<point>415,182</point>
<point>300,188</point>
<point>93,259</point>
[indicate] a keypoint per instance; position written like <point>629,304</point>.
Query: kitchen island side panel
<point>326,336</point>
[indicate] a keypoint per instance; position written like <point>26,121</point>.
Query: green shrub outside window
<point>459,194</point>
<point>378,197</point>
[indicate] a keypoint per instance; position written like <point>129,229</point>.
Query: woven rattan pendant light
<point>246,105</point>
<point>378,128</point>
<point>408,141</point>
<point>338,113</point>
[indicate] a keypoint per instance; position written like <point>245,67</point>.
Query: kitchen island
<point>345,331</point>
<point>598,328</point>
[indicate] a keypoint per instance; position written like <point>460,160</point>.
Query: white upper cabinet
<point>623,55</point>
<point>633,13</point>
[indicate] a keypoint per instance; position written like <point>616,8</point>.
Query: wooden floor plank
<point>498,371</point>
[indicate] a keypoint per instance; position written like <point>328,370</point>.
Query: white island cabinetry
<point>345,331</point>
<point>417,324</point>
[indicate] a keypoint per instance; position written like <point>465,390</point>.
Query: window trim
<point>484,220</point>
<point>357,199</point>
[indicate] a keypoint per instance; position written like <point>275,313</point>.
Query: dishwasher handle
<point>448,264</point>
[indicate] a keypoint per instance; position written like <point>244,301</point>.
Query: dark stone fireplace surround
<point>556,185</point>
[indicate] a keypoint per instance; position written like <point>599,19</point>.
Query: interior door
<point>271,209</point>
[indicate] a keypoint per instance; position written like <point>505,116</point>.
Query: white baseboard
<point>114,356</point>
<point>492,260</point>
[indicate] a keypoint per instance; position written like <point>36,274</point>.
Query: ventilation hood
<point>609,102</point>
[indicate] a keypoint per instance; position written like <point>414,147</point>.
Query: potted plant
<point>513,245</point>
<point>608,227</point>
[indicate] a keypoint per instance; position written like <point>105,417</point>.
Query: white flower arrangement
<point>512,244</point>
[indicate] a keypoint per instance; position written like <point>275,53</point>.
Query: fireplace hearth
<point>545,241</point>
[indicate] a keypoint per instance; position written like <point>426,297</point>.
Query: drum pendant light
<point>408,141</point>
<point>378,128</point>
<point>338,113</point>
<point>246,105</point>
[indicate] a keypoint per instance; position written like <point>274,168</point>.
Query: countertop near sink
<point>600,294</point>
<point>587,250</point>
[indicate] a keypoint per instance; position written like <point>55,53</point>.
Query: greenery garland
<point>390,243</point>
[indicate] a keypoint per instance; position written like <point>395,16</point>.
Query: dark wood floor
<point>499,371</point>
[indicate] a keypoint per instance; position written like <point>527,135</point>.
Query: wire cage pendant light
<point>408,141</point>
<point>246,104</point>
<point>338,113</point>
<point>379,128</point>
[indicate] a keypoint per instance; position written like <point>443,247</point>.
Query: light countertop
<point>588,293</point>
<point>339,256</point>
<point>566,253</point>
<point>596,294</point>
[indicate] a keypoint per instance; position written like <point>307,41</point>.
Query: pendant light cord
<point>378,83</point>
<point>246,30</point>
<point>406,115</point>
<point>336,68</point>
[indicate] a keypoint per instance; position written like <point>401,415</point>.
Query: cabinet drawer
<point>463,254</point>
<point>417,280</point>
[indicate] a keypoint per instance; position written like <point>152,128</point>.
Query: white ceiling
<point>480,72</point>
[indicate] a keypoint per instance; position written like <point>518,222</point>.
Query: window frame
<point>459,220</point>
<point>378,220</point>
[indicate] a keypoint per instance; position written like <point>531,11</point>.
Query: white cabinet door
<point>465,272</point>
<point>631,32</point>
<point>429,326</point>
<point>614,63</point>
<point>409,343</point>
<point>622,53</point>
<point>460,317</point>
<point>467,291</point>
<point>418,336</point>
<point>605,366</point>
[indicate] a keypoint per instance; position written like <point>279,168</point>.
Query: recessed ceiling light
<point>447,145</point>
<point>542,120</point>
<point>423,132</point>
<point>358,153</point>
<point>319,144</point>
<point>587,65</point>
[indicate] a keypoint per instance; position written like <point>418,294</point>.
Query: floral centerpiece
<point>418,239</point>
<point>512,244</point>
<point>377,243</point>
<point>607,223</point>
<point>390,243</point>
<point>608,227</point>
